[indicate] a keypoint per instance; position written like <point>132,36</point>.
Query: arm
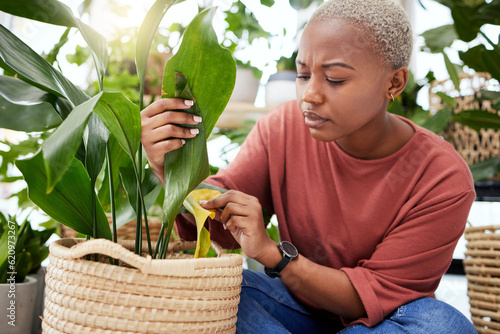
<point>328,288</point>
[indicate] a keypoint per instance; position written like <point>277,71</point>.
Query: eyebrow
<point>328,65</point>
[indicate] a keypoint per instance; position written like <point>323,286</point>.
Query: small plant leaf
<point>192,204</point>
<point>452,71</point>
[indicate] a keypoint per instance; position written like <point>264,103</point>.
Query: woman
<point>370,205</point>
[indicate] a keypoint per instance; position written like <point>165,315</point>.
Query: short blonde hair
<point>386,22</point>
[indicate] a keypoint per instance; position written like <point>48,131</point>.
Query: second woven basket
<point>176,295</point>
<point>482,267</point>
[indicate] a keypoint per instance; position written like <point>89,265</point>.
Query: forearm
<point>328,288</point>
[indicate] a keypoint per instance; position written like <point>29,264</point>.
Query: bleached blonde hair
<point>387,25</point>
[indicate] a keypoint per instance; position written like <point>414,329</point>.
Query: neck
<point>378,139</point>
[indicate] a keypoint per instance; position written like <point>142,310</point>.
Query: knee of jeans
<point>435,313</point>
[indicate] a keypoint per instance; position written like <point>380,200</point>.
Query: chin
<point>322,136</point>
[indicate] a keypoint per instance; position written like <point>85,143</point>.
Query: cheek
<point>298,91</point>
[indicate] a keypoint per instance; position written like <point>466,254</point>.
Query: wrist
<point>270,255</point>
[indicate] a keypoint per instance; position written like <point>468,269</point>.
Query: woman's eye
<point>302,77</point>
<point>335,82</point>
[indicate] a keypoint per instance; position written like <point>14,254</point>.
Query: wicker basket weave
<point>176,295</point>
<point>482,267</point>
<point>124,232</point>
<point>474,146</point>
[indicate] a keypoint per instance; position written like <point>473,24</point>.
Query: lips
<point>313,120</point>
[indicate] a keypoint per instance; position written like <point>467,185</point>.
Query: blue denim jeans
<point>266,306</point>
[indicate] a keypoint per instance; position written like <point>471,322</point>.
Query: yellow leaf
<point>192,204</point>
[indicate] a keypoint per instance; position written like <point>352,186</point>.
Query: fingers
<point>161,132</point>
<point>239,208</point>
<point>162,105</point>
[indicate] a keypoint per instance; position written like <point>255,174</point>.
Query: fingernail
<point>188,102</point>
<point>183,141</point>
<point>197,119</point>
<point>194,131</point>
<point>203,202</point>
<point>224,225</point>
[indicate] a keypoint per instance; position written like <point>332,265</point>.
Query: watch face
<point>289,249</point>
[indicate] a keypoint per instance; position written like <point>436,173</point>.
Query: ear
<point>398,81</point>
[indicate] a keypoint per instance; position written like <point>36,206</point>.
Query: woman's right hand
<point>161,132</point>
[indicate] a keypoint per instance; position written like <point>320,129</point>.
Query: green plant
<point>22,249</point>
<point>482,54</point>
<point>99,136</point>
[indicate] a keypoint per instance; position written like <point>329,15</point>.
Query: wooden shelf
<point>238,112</point>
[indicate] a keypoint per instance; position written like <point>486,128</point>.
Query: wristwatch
<point>289,253</point>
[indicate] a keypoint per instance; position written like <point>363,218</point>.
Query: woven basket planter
<point>176,295</point>
<point>482,267</point>
<point>124,232</point>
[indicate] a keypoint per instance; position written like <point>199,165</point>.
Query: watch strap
<point>275,272</point>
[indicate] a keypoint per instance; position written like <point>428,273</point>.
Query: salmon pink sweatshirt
<point>390,224</point>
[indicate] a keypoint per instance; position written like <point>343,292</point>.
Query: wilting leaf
<point>192,204</point>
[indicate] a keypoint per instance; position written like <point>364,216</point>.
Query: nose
<point>311,91</point>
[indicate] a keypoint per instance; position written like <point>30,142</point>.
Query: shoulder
<point>438,160</point>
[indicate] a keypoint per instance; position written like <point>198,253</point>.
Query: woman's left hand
<point>242,216</point>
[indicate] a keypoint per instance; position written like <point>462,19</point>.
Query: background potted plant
<point>63,175</point>
<point>22,252</point>
<point>471,101</point>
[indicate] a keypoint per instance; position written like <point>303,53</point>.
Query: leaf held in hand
<point>192,204</point>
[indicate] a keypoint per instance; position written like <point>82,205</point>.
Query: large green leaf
<point>32,107</point>
<point>55,12</point>
<point>439,38</point>
<point>32,68</point>
<point>61,146</point>
<point>478,119</point>
<point>465,20</point>
<point>210,69</point>
<point>199,66</point>
<point>490,13</point>
<point>187,166</point>
<point>146,35</point>
<point>473,58</point>
<point>486,169</point>
<point>70,202</point>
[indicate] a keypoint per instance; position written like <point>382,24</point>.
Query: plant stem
<point>166,240</point>
<point>159,241</point>
<point>138,206</point>
<point>112,196</point>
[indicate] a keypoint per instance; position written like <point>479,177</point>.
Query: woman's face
<point>341,83</point>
